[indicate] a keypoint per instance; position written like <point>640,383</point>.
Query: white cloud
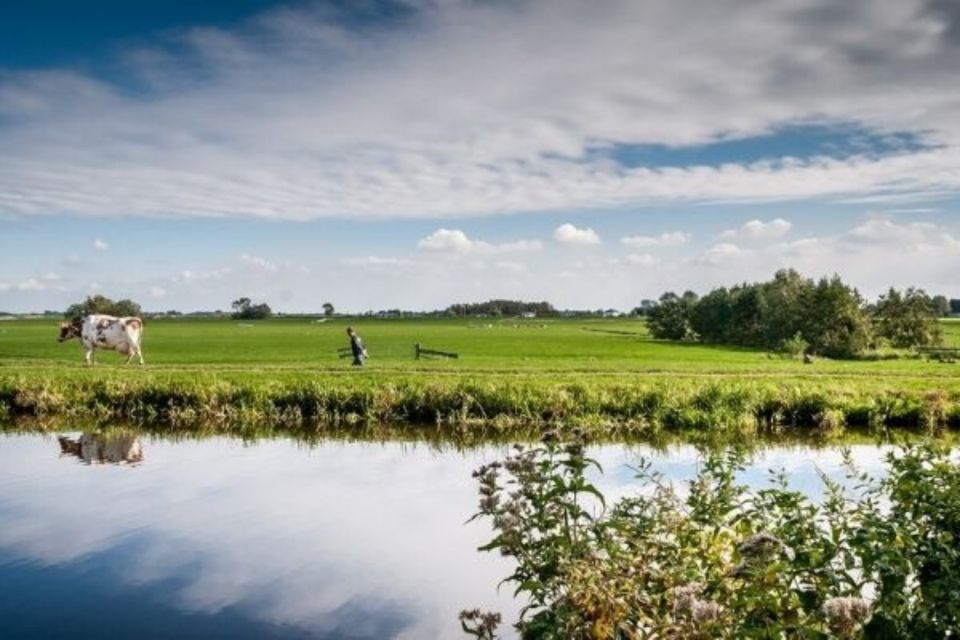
<point>719,253</point>
<point>642,259</point>
<point>31,284</point>
<point>257,262</point>
<point>157,292</point>
<point>432,116</point>
<point>4,286</point>
<point>569,234</point>
<point>456,241</point>
<point>100,245</point>
<point>377,261</point>
<point>509,266</point>
<point>669,239</point>
<point>200,276</point>
<point>760,230</point>
<point>886,230</point>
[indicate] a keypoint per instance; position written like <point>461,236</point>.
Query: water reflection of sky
<point>274,539</point>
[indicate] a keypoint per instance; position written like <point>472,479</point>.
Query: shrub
<point>720,560</point>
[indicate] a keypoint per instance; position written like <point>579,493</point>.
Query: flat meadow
<point>509,372</point>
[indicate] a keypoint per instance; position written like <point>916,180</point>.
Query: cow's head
<point>70,330</point>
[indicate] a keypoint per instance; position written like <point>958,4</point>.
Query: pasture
<point>484,345</point>
<point>510,372</point>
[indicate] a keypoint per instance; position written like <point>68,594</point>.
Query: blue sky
<point>412,154</point>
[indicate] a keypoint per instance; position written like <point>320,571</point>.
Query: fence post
<point>416,348</point>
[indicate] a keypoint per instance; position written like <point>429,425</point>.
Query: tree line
<point>501,308</point>
<point>820,317</point>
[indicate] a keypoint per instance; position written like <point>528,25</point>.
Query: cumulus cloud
<point>31,284</point>
<point>220,273</point>
<point>157,292</point>
<point>377,261</point>
<point>669,239</point>
<point>456,241</point>
<point>642,259</point>
<point>569,234</point>
<point>885,230</point>
<point>760,230</point>
<point>510,266</point>
<point>719,253</point>
<point>100,245</point>
<point>432,116</point>
<point>257,262</point>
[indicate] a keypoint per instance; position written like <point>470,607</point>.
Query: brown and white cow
<point>98,331</point>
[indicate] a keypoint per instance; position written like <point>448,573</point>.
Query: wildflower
<point>549,436</point>
<point>686,596</point>
<point>703,611</point>
<point>763,546</point>
<point>846,615</point>
<point>689,604</point>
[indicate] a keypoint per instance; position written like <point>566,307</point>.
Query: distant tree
<point>907,319</point>
<point>244,309</point>
<point>104,305</point>
<point>942,306</point>
<point>646,306</point>
<point>327,309</point>
<point>835,322</point>
<point>670,320</point>
<point>501,308</point>
<point>954,305</point>
<point>712,317</point>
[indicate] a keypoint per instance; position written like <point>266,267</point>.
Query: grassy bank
<point>609,405</point>
<point>511,375</point>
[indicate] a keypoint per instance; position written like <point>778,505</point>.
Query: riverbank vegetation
<point>607,375</point>
<point>715,559</point>
<point>609,405</point>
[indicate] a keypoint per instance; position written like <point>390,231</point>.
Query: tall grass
<point>605,405</point>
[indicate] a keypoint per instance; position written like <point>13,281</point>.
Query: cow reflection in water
<point>97,448</point>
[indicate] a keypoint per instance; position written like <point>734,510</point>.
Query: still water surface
<point>274,539</point>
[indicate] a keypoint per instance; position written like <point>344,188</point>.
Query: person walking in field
<point>356,346</point>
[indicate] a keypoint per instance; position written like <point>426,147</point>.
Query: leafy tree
<point>102,304</point>
<point>327,309</point>
<point>646,306</point>
<point>712,317</point>
<point>244,309</point>
<point>670,319</point>
<point>942,306</point>
<point>907,319</point>
<point>954,305</point>
<point>835,322</point>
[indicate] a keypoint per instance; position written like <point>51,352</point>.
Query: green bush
<point>720,560</point>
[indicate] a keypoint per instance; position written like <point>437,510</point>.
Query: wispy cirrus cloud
<point>431,116</point>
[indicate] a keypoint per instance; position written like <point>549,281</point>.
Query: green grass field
<point>533,346</point>
<point>514,371</point>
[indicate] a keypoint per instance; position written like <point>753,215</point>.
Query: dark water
<point>217,538</point>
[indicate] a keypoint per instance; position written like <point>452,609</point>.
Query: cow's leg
<point>88,355</point>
